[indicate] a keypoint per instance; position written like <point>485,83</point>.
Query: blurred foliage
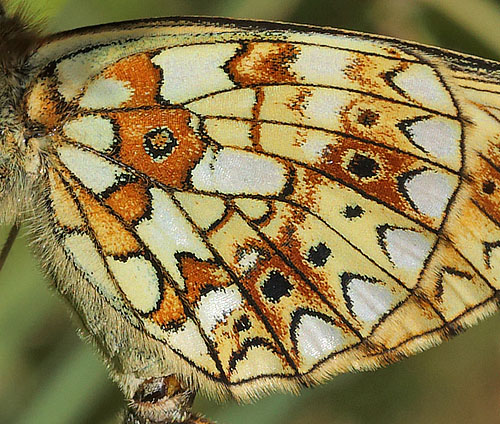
<point>49,376</point>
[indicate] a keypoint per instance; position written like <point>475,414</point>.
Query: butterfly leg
<point>162,400</point>
<point>8,244</point>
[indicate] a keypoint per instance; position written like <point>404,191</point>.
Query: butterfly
<point>236,207</point>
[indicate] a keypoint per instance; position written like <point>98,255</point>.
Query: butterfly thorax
<point>18,155</point>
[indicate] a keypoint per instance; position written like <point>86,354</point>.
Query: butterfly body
<point>254,206</point>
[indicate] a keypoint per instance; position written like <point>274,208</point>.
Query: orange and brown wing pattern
<point>272,205</point>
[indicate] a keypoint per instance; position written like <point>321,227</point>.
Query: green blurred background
<point>49,376</point>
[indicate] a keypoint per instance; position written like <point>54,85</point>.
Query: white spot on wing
<point>324,106</point>
<point>167,232</point>
<point>421,83</point>
<point>317,338</point>
<point>248,260</point>
<point>91,130</point>
<point>105,93</point>
<point>216,305</point>
<point>138,280</point>
<point>369,301</point>
<point>438,136</point>
<point>93,171</point>
<point>74,72</point>
<point>193,71</point>
<point>430,191</point>
<point>406,248</point>
<point>321,65</point>
<point>238,172</point>
<point>314,146</point>
<point>315,106</point>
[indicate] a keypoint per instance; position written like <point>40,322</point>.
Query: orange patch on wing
<point>487,187</point>
<point>129,201</point>
<point>110,233</point>
<point>171,310</point>
<point>173,170</point>
<point>43,104</point>
<point>372,169</point>
<point>264,63</point>
<point>141,75</point>
<point>256,127</point>
<point>287,241</point>
<point>199,275</point>
<point>253,281</point>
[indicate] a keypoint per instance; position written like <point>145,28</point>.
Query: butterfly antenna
<point>14,230</point>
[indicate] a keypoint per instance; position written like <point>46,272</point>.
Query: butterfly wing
<point>262,205</point>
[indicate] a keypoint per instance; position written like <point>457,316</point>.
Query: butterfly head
<point>19,36</point>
